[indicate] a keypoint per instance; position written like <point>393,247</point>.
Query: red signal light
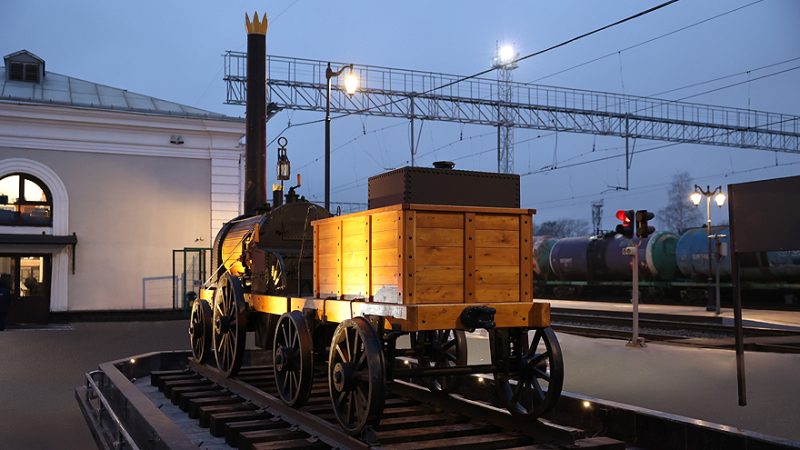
<point>623,215</point>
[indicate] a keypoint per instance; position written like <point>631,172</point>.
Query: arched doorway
<point>34,227</point>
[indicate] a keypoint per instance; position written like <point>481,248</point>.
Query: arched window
<point>25,201</point>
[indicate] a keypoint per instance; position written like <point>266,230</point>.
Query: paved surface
<point>750,317</point>
<point>41,368</point>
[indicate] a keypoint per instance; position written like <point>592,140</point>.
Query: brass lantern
<point>284,166</point>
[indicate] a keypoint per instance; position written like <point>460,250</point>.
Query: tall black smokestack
<point>255,187</point>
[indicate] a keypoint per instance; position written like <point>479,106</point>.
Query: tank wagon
<point>669,264</point>
<point>440,252</point>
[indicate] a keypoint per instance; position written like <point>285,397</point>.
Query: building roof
<point>58,89</point>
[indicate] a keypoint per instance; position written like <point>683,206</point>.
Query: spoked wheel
<point>440,348</point>
<point>230,324</point>
<point>356,375</point>
<point>539,374</point>
<point>293,358</point>
<point>200,330</point>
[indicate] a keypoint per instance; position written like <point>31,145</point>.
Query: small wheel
<point>539,374</point>
<point>293,358</point>
<point>200,329</point>
<point>440,348</point>
<point>356,375</point>
<point>230,324</point>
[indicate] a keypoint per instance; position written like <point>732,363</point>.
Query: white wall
<point>133,197</point>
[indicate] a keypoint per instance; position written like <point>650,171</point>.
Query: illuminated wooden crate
<point>425,254</point>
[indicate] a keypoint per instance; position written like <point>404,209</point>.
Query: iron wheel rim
<point>540,360</point>
<point>200,330</point>
<point>356,375</point>
<point>440,348</point>
<point>292,358</point>
<point>230,327</point>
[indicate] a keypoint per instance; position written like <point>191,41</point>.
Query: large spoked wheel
<point>539,374</point>
<point>230,324</point>
<point>356,375</point>
<point>293,358</point>
<point>440,348</point>
<point>200,330</point>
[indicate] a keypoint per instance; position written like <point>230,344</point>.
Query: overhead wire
<point>608,55</point>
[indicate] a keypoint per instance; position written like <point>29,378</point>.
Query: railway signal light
<point>642,228</point>
<point>626,227</point>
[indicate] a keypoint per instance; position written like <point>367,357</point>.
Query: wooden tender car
<point>431,272</point>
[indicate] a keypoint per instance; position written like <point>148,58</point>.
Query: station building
<point>98,185</point>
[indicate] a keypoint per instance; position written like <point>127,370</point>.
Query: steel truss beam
<point>299,84</point>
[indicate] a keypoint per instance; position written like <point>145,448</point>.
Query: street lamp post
<point>719,198</point>
<point>350,86</point>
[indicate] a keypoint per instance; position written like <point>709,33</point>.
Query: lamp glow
<point>351,82</point>
<point>506,54</point>
<point>696,197</point>
<point>720,199</point>
<point>586,404</point>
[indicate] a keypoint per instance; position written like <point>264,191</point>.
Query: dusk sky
<point>173,49</point>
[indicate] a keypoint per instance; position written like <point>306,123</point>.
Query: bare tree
<point>680,214</point>
<point>563,228</point>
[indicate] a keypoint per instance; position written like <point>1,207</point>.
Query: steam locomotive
<point>439,252</point>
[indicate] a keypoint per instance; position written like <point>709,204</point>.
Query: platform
<point>779,319</point>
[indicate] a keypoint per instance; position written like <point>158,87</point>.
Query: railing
<point>296,83</point>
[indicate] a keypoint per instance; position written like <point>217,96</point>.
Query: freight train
<point>380,295</point>
<point>671,267</point>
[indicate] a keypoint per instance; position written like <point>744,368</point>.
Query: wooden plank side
<point>435,256</point>
<point>526,258</point>
<point>368,265</point>
<point>469,258</point>
<point>387,239</point>
<point>358,259</point>
<point>354,226</point>
<point>440,275</point>
<point>496,256</point>
<point>385,276</point>
<point>385,221</point>
<point>316,261</point>
<point>387,257</point>
<point>442,237</point>
<point>355,242</point>
<point>439,293</point>
<point>496,238</point>
<point>328,246</point>
<point>497,222</point>
<point>355,275</point>
<point>328,229</point>
<point>328,276</point>
<point>493,293</point>
<point>440,220</point>
<point>339,257</point>
<point>410,241</point>
<point>497,275</point>
<point>468,209</point>
<point>327,261</point>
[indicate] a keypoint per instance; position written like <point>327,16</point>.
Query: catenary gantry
<point>300,84</point>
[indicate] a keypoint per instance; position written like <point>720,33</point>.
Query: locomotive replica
<point>439,252</point>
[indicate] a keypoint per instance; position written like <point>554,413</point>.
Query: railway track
<point>691,332</point>
<point>244,412</point>
<point>164,400</point>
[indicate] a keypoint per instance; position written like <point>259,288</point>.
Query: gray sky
<point>172,50</point>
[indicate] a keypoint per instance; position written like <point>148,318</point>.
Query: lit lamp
<point>719,199</point>
<point>284,166</point>
<point>350,86</point>
<point>505,56</point>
